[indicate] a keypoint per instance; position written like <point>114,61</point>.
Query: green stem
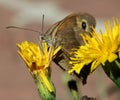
<point>43,91</point>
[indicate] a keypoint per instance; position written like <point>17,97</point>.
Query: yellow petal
<point>46,81</point>
<point>112,57</point>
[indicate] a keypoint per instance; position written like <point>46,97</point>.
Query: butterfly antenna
<point>22,28</point>
<point>43,23</point>
<point>42,34</point>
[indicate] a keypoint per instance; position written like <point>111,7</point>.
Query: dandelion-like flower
<point>38,60</point>
<point>98,49</point>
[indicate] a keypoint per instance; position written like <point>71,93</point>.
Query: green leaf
<point>113,71</point>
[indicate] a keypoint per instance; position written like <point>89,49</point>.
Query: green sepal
<point>113,71</point>
<point>43,91</point>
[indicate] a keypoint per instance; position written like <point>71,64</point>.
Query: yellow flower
<point>38,59</point>
<point>97,49</point>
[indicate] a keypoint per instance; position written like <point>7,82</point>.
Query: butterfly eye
<point>42,37</point>
<point>84,25</point>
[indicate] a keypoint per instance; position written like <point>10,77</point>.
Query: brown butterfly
<point>67,34</point>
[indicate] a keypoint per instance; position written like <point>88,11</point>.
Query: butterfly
<point>67,34</point>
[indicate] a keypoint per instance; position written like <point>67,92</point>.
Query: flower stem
<point>43,91</point>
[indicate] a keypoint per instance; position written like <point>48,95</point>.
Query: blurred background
<point>16,83</point>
